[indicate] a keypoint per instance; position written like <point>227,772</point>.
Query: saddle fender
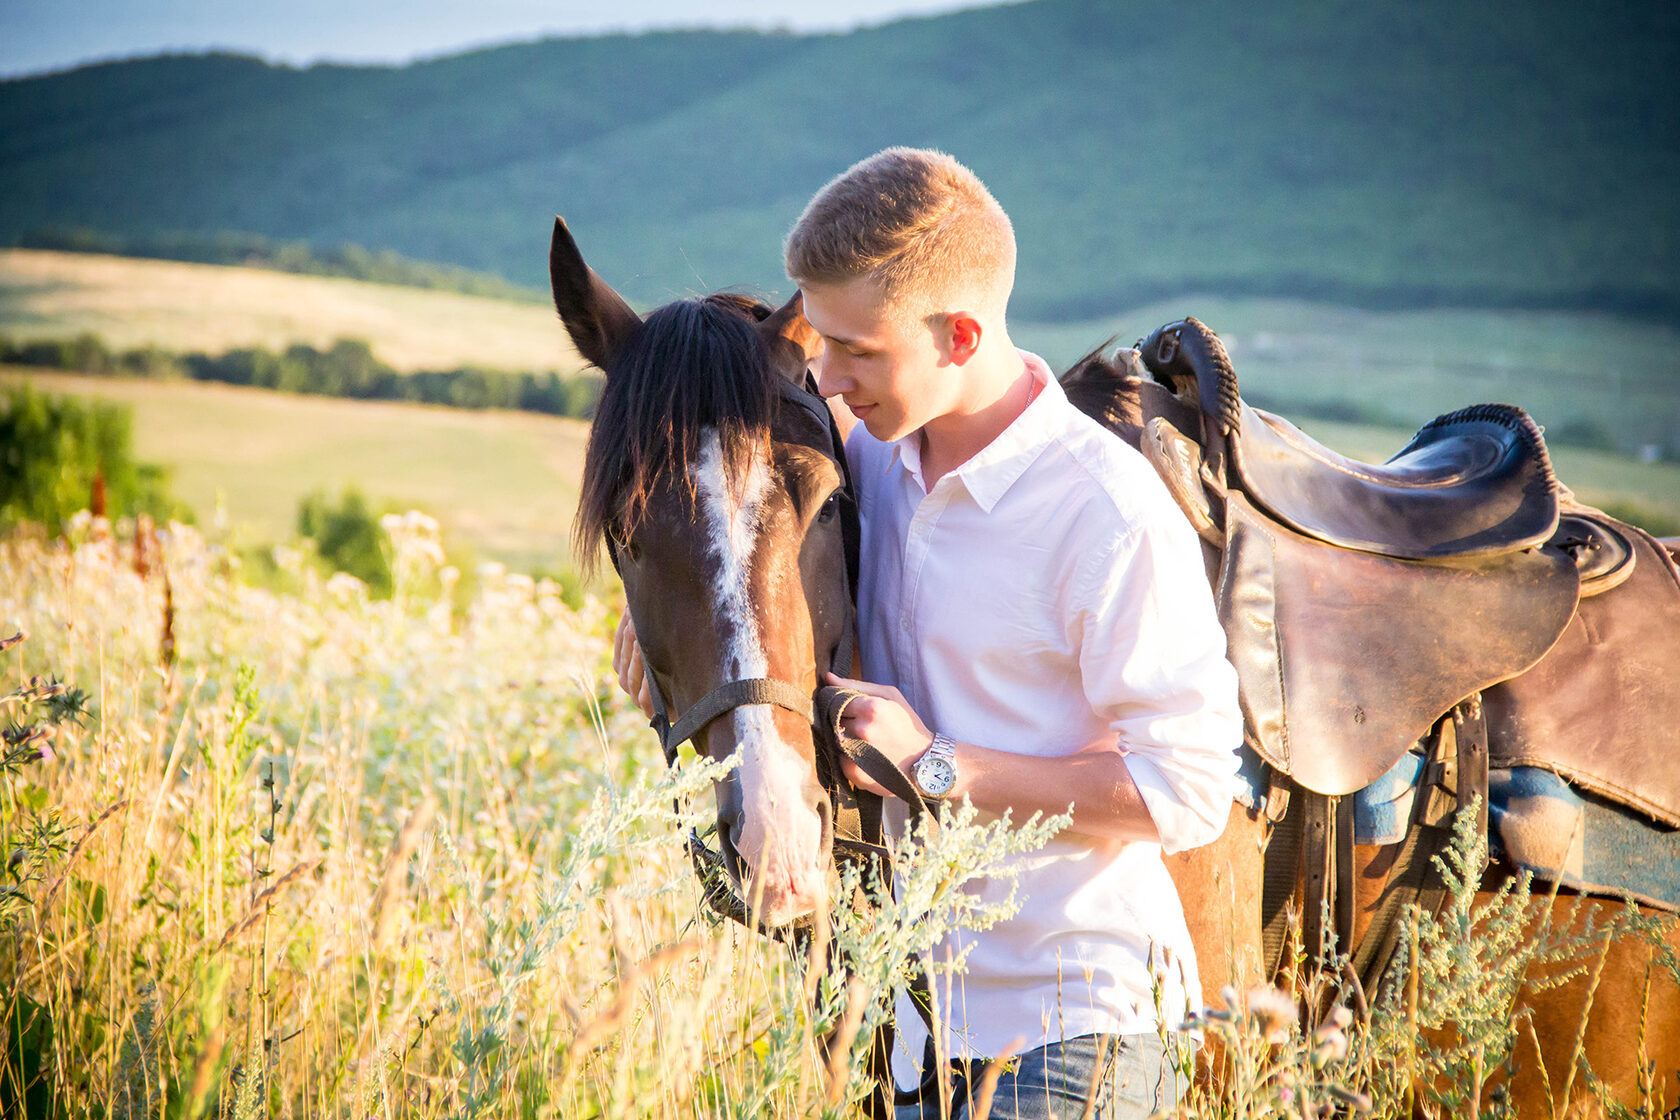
<point>1346,658</point>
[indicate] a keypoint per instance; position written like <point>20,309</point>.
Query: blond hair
<point>919,223</point>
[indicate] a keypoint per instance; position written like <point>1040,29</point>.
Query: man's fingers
<point>644,698</point>
<point>855,775</point>
<point>638,683</point>
<point>627,664</point>
<point>624,639</point>
<point>868,688</point>
<point>858,716</point>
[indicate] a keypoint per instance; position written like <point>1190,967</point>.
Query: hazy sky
<point>40,35</point>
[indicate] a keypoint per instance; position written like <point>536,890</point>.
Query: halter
<point>858,835</point>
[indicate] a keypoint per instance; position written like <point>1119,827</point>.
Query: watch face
<point>936,776</point>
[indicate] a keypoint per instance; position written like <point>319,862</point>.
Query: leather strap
<point>833,702</point>
<point>737,694</point>
<point>1470,726</point>
<point>1327,841</point>
<point>1281,873</point>
<point>1318,870</point>
<point>1414,880</point>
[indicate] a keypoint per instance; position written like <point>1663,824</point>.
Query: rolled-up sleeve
<point>1152,657</point>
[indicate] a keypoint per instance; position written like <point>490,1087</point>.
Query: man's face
<point>889,368</point>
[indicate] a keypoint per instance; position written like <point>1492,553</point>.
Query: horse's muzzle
<point>779,861</point>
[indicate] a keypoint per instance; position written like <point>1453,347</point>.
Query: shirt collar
<point>989,474</point>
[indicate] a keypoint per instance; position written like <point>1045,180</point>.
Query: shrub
<point>56,452</point>
<point>347,537</point>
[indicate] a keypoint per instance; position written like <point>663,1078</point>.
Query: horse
<point>716,479</point>
<point>1494,644</point>
<point>720,509</point>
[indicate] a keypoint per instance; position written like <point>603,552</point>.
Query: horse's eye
<point>830,507</point>
<point>624,546</point>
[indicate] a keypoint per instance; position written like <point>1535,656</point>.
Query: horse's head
<point>711,476</point>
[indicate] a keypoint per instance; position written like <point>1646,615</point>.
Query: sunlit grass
<point>327,856</point>
<point>182,306</point>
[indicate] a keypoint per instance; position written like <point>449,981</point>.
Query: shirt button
<point>904,625</point>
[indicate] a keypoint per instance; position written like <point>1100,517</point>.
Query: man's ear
<point>794,343</point>
<point>596,317</point>
<point>962,336</point>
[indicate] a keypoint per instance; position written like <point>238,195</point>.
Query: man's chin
<point>881,427</point>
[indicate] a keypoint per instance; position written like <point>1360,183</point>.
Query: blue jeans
<point>1053,1082</point>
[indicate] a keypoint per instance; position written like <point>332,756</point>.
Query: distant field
<point>1405,366</point>
<point>508,482</point>
<point>504,482</point>
<point>181,306</point>
<point>1411,366</point>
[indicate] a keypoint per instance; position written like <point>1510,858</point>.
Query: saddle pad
<point>1538,822</point>
<point>1347,658</point>
<point>1382,811</point>
<point>1603,706</point>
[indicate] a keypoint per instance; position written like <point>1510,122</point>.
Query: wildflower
<point>343,585</point>
<point>1273,1014</point>
<point>1330,1042</point>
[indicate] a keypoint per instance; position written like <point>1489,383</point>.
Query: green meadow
<point>506,483</point>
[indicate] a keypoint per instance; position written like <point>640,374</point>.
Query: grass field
<point>1563,367</point>
<point>507,483</point>
<point>504,482</point>
<point>318,856</point>
<point>181,306</point>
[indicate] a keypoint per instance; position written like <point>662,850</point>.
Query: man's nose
<point>829,379</point>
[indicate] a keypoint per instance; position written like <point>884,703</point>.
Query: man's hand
<point>627,663</point>
<point>885,720</point>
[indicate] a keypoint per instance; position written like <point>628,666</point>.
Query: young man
<point>1036,632</point>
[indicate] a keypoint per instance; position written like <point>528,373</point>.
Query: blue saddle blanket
<point>1538,821</point>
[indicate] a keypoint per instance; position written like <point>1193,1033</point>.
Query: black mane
<point>692,365</point>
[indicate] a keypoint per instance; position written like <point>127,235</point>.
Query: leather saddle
<point>1602,707</point>
<point>1476,482</point>
<point>1362,601</point>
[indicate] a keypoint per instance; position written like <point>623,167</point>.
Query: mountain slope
<point>1432,152</point>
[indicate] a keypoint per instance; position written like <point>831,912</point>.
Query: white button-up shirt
<point>1041,596</point>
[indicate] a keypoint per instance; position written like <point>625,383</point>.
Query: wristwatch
<point>936,770</point>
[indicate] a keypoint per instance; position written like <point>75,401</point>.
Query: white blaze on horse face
<point>781,834</point>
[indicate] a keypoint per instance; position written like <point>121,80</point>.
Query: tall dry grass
<point>347,857</point>
<point>317,855</point>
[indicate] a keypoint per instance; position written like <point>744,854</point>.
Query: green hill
<point>1429,153</point>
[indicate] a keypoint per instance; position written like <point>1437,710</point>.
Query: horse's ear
<point>596,317</point>
<point>787,326</point>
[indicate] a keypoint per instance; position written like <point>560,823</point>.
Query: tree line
<point>251,250</point>
<point>348,368</point>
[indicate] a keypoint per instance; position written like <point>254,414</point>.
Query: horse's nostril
<point>825,816</point>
